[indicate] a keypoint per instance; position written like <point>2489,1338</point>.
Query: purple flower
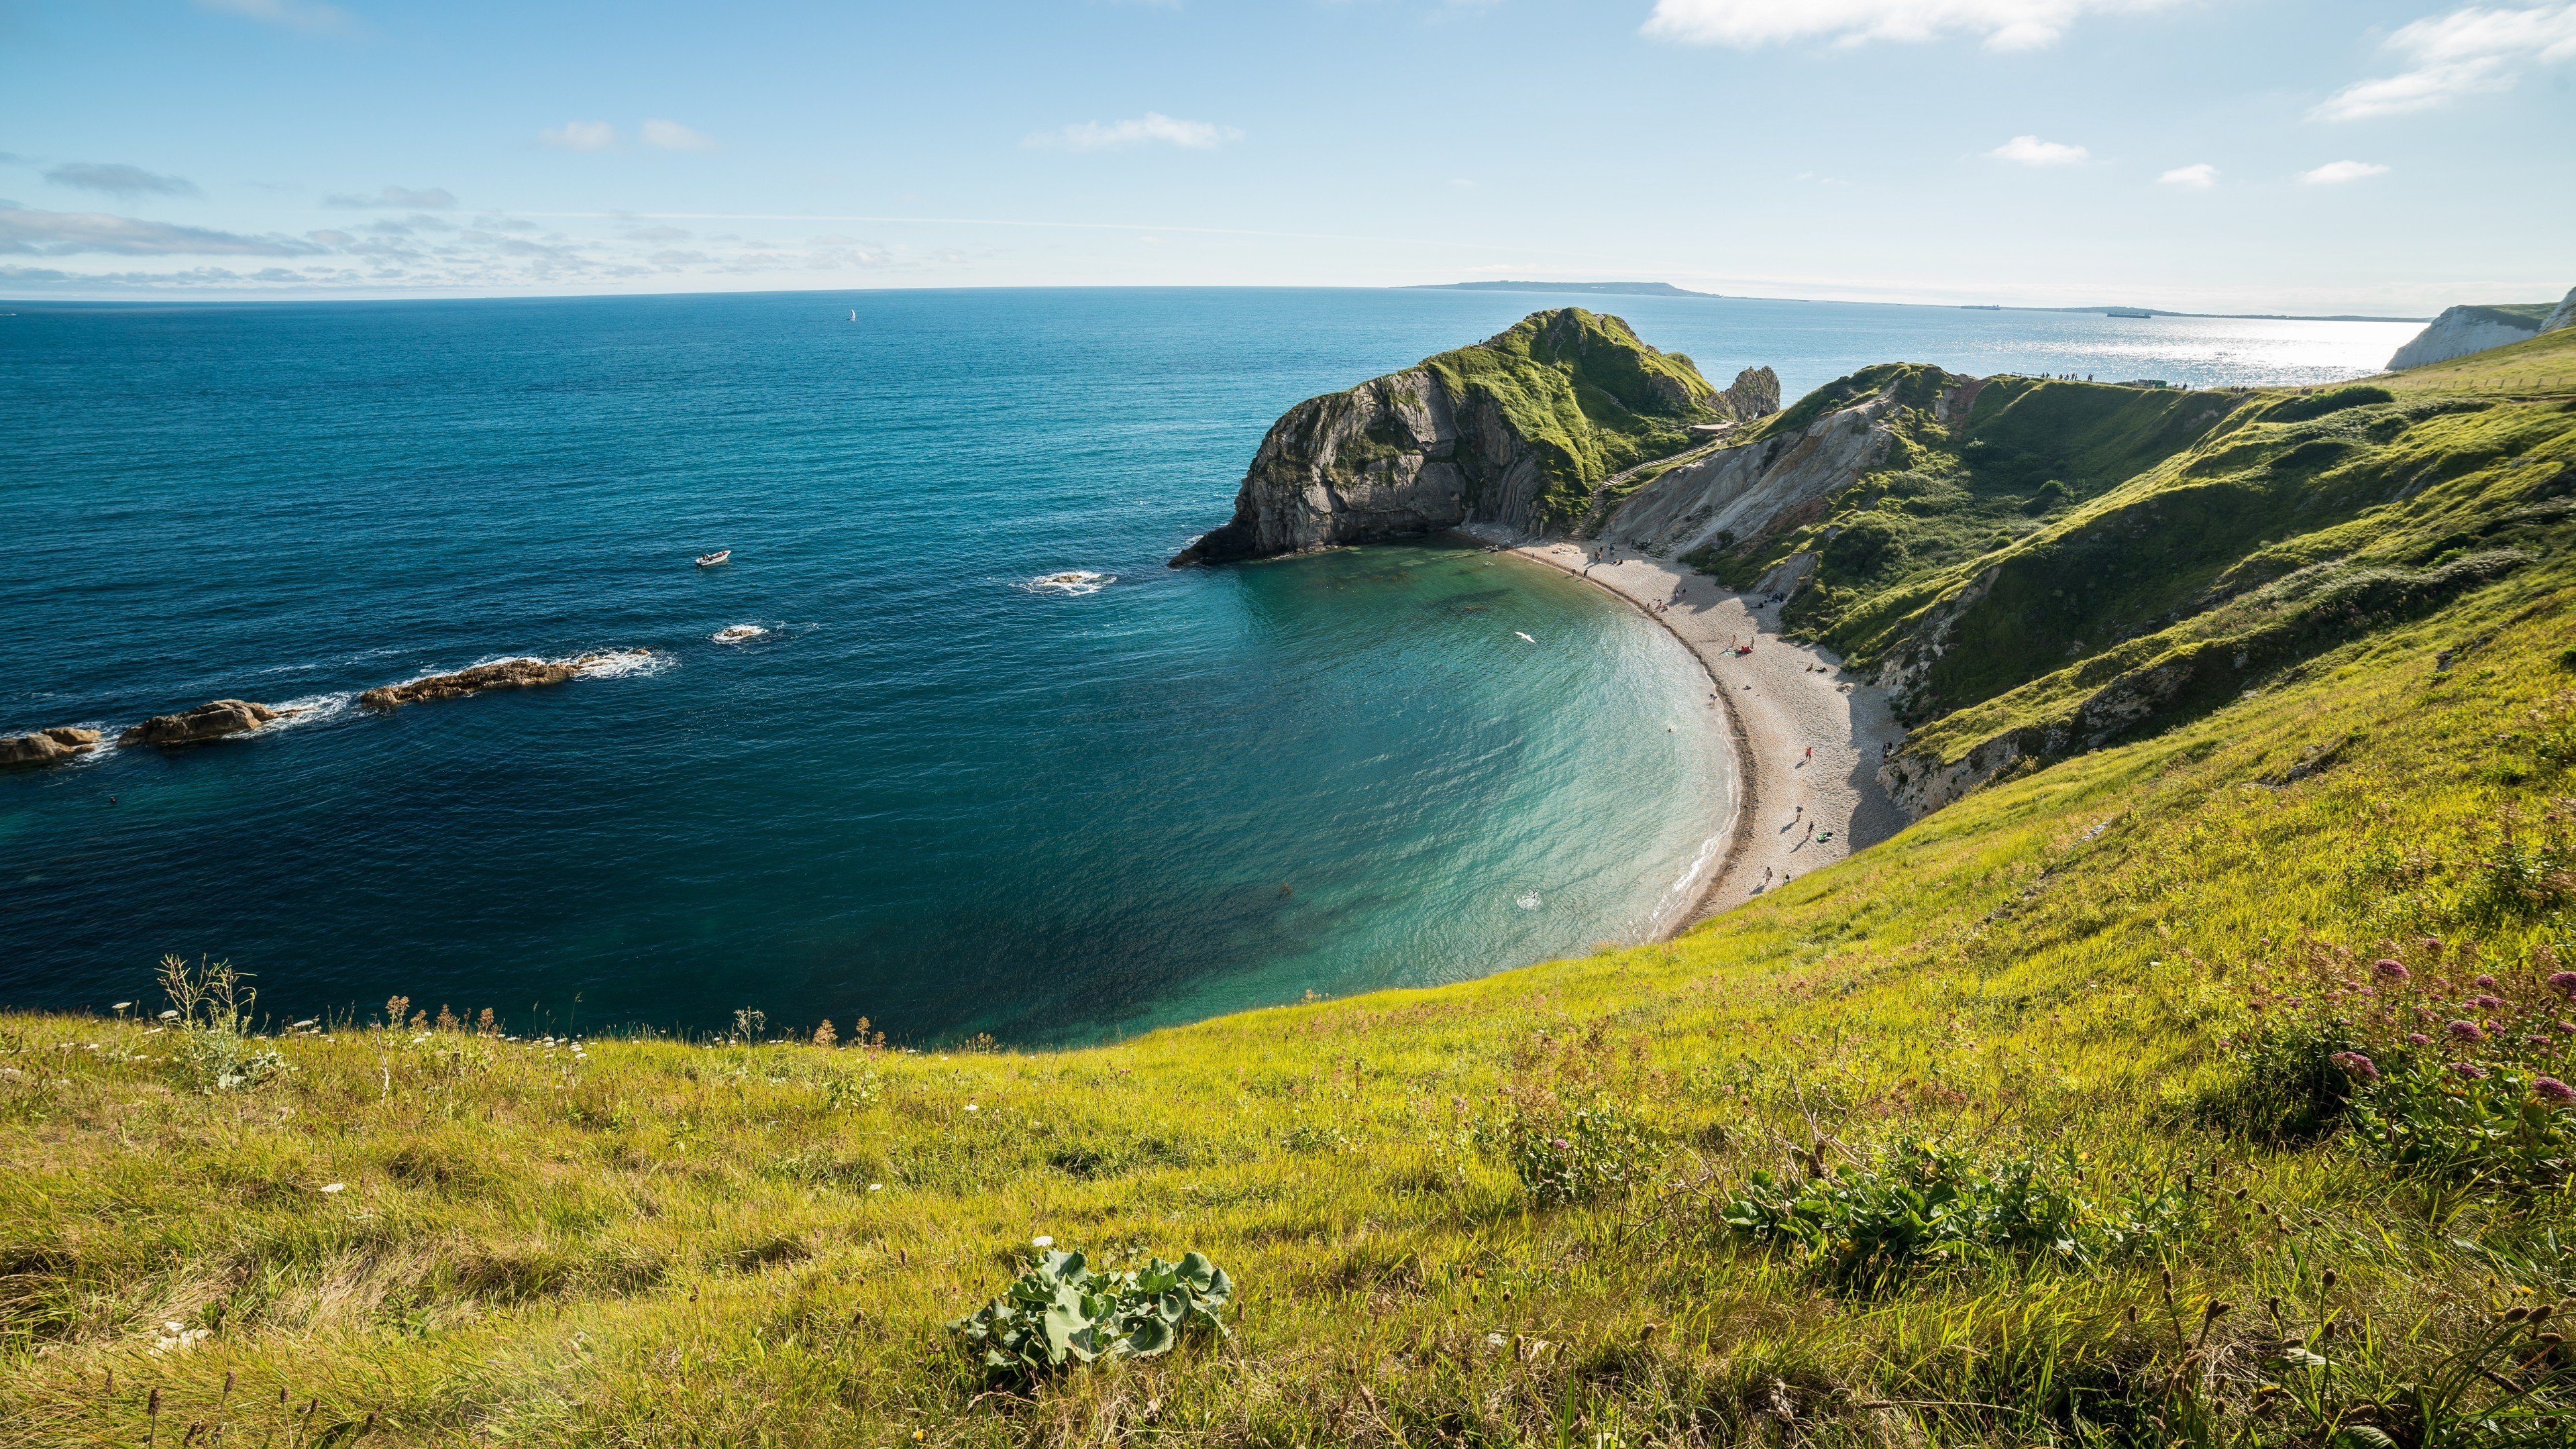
<point>2360,1068</point>
<point>2486,1003</point>
<point>2466,1031</point>
<point>2417,1038</point>
<point>1560,1144</point>
<point>2487,981</point>
<point>2470,1070</point>
<point>2550,1089</point>
<point>2567,1028</point>
<point>2565,981</point>
<point>2390,969</point>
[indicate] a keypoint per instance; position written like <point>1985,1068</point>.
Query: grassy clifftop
<point>2087,1111</point>
<point>1585,392</point>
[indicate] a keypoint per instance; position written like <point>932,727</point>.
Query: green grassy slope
<point>1659,1195</point>
<point>1585,392</point>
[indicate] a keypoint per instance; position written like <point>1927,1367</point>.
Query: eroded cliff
<point>1518,430</point>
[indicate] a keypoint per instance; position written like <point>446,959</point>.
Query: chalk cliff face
<point>1742,494</point>
<point>2460,331</point>
<point>2563,315</point>
<point>1517,430</point>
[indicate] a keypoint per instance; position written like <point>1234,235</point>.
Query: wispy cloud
<point>2001,24</point>
<point>672,136</point>
<point>307,15</point>
<point>2467,52</point>
<point>28,232</point>
<point>119,180</point>
<point>2336,173</point>
<point>1150,129</point>
<point>2032,151</point>
<point>433,198</point>
<point>2199,176</point>
<point>580,136</point>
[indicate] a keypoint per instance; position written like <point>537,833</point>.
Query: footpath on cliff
<point>1796,811</point>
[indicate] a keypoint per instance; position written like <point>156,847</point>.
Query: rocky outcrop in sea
<point>210,721</point>
<point>1518,430</point>
<point>501,674</point>
<point>47,746</point>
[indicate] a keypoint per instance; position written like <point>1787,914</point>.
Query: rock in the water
<point>1521,430</point>
<point>46,747</point>
<point>208,721</point>
<point>501,674</point>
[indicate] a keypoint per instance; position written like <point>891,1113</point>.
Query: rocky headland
<point>210,721</point>
<point>1520,430</point>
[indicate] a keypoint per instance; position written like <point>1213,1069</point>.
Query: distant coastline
<point>1667,289</point>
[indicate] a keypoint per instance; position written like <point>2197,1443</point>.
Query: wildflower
<point>2486,981</point>
<point>2470,1070</point>
<point>2565,981</point>
<point>2553,1090</point>
<point>2567,1028</point>
<point>876,1187</point>
<point>2417,1038</point>
<point>1560,1144</point>
<point>1042,1240</point>
<point>2390,969</point>
<point>2291,1000</point>
<point>2466,1031</point>
<point>2360,1068</point>
<point>2432,945</point>
<point>335,1187</point>
<point>971,1107</point>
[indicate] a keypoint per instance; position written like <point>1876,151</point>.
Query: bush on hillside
<point>210,1009</point>
<point>1923,1206</point>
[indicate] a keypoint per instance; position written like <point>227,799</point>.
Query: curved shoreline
<point>1807,740</point>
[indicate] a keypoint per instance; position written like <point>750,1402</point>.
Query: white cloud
<point>2200,176</point>
<point>2002,24</point>
<point>2464,53</point>
<point>580,136</point>
<point>1151,128</point>
<point>293,14</point>
<point>2336,173</point>
<point>2032,151</point>
<point>672,136</point>
<point>119,180</point>
<point>26,232</point>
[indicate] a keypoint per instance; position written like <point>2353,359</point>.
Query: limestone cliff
<point>2460,331</point>
<point>1518,430</point>
<point>2561,316</point>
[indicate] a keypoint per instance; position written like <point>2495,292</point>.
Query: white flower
<point>335,1187</point>
<point>169,1016</point>
<point>970,1107</point>
<point>876,1187</point>
<point>1042,1241</point>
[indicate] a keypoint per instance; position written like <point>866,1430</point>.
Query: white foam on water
<point>740,633</point>
<point>621,663</point>
<point>310,709</point>
<point>1072,583</point>
<point>1528,902</point>
<point>1681,895</point>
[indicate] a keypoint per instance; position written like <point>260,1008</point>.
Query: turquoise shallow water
<point>929,792</point>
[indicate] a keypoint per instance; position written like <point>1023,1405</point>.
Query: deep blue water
<point>928,793</point>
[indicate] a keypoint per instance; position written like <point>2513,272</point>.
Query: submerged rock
<point>501,674</point>
<point>46,747</point>
<point>209,721</point>
<point>1521,429</point>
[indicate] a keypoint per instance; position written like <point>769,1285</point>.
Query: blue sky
<point>2235,155</point>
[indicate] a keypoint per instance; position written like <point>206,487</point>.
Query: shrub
<point>210,1009</point>
<point>1062,1313</point>
<point>1923,1206</point>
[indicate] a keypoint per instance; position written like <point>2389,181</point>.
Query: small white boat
<point>710,560</point>
<point>854,314</point>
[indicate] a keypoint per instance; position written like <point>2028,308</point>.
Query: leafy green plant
<point>1926,1206</point>
<point>2494,1129</point>
<point>1567,1153</point>
<point>1061,1313</point>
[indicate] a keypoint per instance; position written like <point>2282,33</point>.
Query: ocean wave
<point>620,663</point>
<point>1072,583</point>
<point>308,709</point>
<point>740,633</point>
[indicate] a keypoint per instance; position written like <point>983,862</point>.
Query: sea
<point>943,743</point>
